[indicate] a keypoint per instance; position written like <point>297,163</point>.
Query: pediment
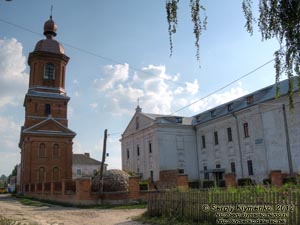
<point>143,120</point>
<point>49,126</point>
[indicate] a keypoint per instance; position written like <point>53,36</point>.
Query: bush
<point>222,183</point>
<point>267,181</point>
<point>289,180</point>
<point>244,182</point>
<point>194,184</point>
<point>208,184</point>
<point>144,185</point>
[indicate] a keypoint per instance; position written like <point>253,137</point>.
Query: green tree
<point>278,19</point>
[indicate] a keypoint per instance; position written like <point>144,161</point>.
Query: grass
<point>39,203</point>
<point>144,218</point>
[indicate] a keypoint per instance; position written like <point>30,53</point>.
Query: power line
<point>227,85</point>
<point>132,67</point>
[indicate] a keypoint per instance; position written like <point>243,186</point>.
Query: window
<point>55,173</point>
<point>47,109</point>
<point>49,72</point>
<point>229,134</point>
<point>138,150</point>
<point>246,130</point>
<point>249,99</point>
<point>41,174</point>
<point>213,113</point>
<point>150,147</point>
<point>203,142</point>
<point>55,151</point>
<point>42,150</point>
<point>79,172</point>
<point>127,151</point>
<point>218,166</point>
<point>229,107</point>
<point>250,167</point>
<point>206,175</point>
<point>181,171</point>
<point>35,107</point>
<point>137,123</point>
<point>216,138</point>
<point>232,165</point>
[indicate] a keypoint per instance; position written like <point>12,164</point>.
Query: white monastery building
<point>249,136</point>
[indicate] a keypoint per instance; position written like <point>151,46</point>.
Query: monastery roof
<point>84,160</point>
<point>254,98</point>
<point>159,118</point>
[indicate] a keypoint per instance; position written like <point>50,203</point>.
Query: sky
<point>119,53</point>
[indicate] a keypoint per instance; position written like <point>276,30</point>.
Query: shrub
<point>222,183</point>
<point>194,184</point>
<point>244,181</point>
<point>289,180</point>
<point>267,181</point>
<point>144,185</point>
<point>208,184</point>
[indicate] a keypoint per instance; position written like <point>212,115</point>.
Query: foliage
<point>199,24</point>
<point>267,181</point>
<point>244,182</point>
<point>279,19</point>
<point>208,183</point>
<point>144,185</point>
<point>291,180</point>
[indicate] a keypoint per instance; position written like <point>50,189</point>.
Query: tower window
<point>49,71</point>
<point>55,151</point>
<point>42,150</point>
<point>47,109</point>
<point>55,173</point>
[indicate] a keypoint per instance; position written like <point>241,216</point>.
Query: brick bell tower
<point>45,140</point>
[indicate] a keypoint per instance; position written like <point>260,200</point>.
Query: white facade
<point>247,136</point>
<point>84,166</point>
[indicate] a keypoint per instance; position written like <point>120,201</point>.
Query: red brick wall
<point>276,178</point>
<point>230,180</point>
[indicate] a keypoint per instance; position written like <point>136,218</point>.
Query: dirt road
<point>56,215</point>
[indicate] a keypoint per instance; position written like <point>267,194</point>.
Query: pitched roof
<point>259,96</point>
<point>169,119</point>
<point>84,160</point>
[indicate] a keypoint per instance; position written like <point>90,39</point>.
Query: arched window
<point>55,173</point>
<point>55,151</point>
<point>49,71</point>
<point>42,151</point>
<point>41,174</point>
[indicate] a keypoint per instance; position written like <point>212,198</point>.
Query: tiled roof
<point>84,160</point>
<point>262,95</point>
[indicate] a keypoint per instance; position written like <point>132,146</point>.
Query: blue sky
<point>133,35</point>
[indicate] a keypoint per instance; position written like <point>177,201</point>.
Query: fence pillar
<point>276,178</point>
<point>230,180</point>
<point>83,188</point>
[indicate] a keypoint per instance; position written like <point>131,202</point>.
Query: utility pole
<point>288,147</point>
<point>102,163</point>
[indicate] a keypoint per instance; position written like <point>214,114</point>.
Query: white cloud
<point>112,75</point>
<point>13,79</point>
<point>94,105</point>
<point>157,91</point>
<point>218,99</point>
<point>10,153</point>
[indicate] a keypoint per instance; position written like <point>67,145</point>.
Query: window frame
<point>203,141</point>
<point>250,167</point>
<point>229,134</point>
<point>49,72</point>
<point>216,138</point>
<point>246,130</point>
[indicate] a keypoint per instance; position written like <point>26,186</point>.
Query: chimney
<point>87,154</point>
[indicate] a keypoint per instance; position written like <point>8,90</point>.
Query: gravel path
<point>56,215</point>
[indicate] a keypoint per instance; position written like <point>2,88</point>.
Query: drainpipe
<point>197,153</point>
<point>288,146</point>
<point>239,142</point>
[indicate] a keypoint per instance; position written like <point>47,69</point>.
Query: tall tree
<point>277,19</point>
